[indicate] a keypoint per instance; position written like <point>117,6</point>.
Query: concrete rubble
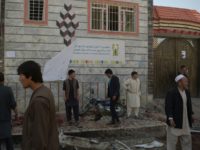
<point>131,132</point>
<point>99,136</point>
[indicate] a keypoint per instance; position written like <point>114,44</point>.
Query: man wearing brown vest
<point>71,91</point>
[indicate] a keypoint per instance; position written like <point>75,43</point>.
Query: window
<point>36,12</point>
<point>98,16</point>
<point>36,8</point>
<point>128,20</point>
<point>112,16</point>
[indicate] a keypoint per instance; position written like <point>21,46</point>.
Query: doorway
<point>170,54</point>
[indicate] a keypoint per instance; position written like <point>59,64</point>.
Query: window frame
<point>27,20</point>
<point>120,5</point>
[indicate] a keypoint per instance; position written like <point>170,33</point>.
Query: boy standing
<point>71,92</point>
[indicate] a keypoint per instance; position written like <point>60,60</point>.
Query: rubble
<point>130,132</point>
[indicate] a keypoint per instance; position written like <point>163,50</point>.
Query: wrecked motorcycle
<point>101,107</point>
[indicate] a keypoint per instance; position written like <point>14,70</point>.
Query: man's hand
<point>114,98</point>
<point>172,123</point>
<point>16,117</point>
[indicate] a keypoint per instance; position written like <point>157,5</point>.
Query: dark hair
<point>108,71</point>
<point>71,72</point>
<point>183,66</point>
<point>31,69</point>
<point>134,73</point>
<point>1,77</point>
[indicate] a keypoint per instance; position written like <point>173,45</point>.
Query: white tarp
<point>56,68</point>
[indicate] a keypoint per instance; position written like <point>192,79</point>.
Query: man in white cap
<point>178,108</point>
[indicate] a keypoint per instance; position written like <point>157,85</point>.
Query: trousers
<point>185,140</point>
<point>133,109</point>
<point>8,143</point>
<point>69,109</point>
<point>113,111</point>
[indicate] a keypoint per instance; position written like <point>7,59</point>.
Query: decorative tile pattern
<point>67,24</point>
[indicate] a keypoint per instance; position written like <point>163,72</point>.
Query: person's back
<point>114,87</point>
<point>7,103</point>
<point>113,94</point>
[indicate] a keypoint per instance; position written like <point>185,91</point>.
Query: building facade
<point>29,32</point>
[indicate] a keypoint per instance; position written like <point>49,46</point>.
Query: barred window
<point>98,16</point>
<point>128,20</point>
<point>36,12</point>
<point>115,17</point>
<point>36,9</point>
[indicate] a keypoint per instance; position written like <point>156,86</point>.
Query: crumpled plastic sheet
<point>154,144</point>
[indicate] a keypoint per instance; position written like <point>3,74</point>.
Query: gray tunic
<point>7,102</point>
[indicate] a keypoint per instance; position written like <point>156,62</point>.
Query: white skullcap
<point>179,77</point>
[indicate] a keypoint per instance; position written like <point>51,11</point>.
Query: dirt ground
<point>153,112</point>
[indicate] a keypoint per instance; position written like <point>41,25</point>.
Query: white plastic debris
<point>123,144</point>
<point>154,144</point>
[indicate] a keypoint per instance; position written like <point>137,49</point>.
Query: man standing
<point>184,71</point>
<point>132,87</point>
<point>7,103</point>
<point>39,128</point>
<point>71,91</point>
<point>113,94</point>
<point>178,108</point>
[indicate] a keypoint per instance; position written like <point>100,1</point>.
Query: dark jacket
<point>174,107</point>
<point>114,87</point>
<point>7,102</point>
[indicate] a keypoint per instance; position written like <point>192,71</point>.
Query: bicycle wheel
<point>85,109</point>
<point>120,110</point>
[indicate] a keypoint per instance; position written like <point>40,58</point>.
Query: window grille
<point>36,10</point>
<point>112,17</point>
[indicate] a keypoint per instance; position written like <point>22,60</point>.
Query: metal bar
<point>16,94</point>
<point>105,90</point>
<point>90,88</point>
<point>24,92</point>
<point>97,89</point>
<point>58,108</point>
<point>82,95</point>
